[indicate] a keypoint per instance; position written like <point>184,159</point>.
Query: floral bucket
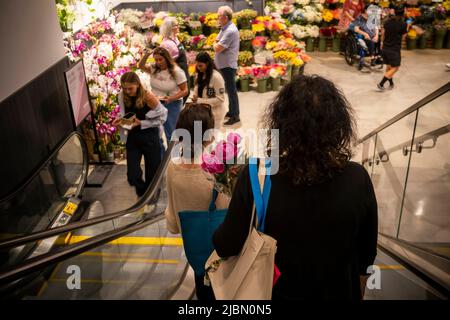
<point>336,44</point>
<point>244,83</point>
<point>411,44</point>
<point>275,83</point>
<point>310,44</point>
<point>439,36</point>
<point>288,75</point>
<point>422,43</point>
<point>322,44</point>
<point>262,85</point>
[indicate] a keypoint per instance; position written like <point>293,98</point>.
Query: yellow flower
<point>259,27</point>
<point>446,5</point>
<point>271,45</point>
<point>210,40</point>
<point>234,21</point>
<point>327,15</point>
<point>158,22</point>
<point>284,55</point>
<point>191,69</point>
<point>412,34</point>
<point>211,20</point>
<point>263,18</point>
<point>297,62</point>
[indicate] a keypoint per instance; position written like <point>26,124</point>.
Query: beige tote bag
<point>249,275</point>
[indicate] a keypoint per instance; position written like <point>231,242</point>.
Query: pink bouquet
<point>225,163</point>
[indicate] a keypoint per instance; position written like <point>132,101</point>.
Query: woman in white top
<point>210,87</point>
<point>169,31</point>
<point>189,188</point>
<point>169,83</point>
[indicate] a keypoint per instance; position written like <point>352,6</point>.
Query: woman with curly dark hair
<point>322,208</point>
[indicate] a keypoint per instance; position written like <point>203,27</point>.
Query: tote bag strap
<point>261,201</point>
<point>212,204</point>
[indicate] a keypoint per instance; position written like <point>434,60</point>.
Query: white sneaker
<point>448,65</point>
<point>363,44</point>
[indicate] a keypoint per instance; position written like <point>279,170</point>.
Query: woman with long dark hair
<point>168,82</point>
<point>322,208</point>
<point>210,87</point>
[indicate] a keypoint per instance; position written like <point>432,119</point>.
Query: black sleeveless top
<point>140,112</point>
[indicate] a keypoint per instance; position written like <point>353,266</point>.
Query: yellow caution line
<point>127,241</point>
<point>103,282</point>
<point>390,267</point>
<point>111,258</point>
<point>112,254</point>
<point>45,285</point>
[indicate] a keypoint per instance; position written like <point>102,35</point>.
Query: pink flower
<point>211,164</point>
<point>234,138</point>
<point>225,151</point>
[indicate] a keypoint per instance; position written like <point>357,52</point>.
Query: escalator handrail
<point>431,135</point>
<point>416,247</point>
<point>37,171</point>
<point>148,196</point>
<point>432,96</point>
<point>39,262</point>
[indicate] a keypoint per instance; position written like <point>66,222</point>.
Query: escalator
<point>129,254</point>
<point>123,255</point>
<point>408,160</point>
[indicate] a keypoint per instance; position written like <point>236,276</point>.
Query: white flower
<point>118,28</point>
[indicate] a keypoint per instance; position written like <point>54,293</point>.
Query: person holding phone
<point>168,82</point>
<point>210,87</point>
<point>147,115</point>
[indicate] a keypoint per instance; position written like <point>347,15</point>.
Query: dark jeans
<point>142,143</point>
<point>204,293</point>
<point>229,76</point>
<point>173,111</point>
<point>371,46</point>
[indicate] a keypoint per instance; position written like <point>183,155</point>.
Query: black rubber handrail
<point>39,262</point>
<point>416,247</point>
<point>45,163</point>
<point>148,196</point>
<point>434,95</point>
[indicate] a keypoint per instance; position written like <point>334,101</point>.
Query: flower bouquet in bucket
<point>225,163</point>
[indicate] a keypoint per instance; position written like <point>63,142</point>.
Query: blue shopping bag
<point>197,229</point>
